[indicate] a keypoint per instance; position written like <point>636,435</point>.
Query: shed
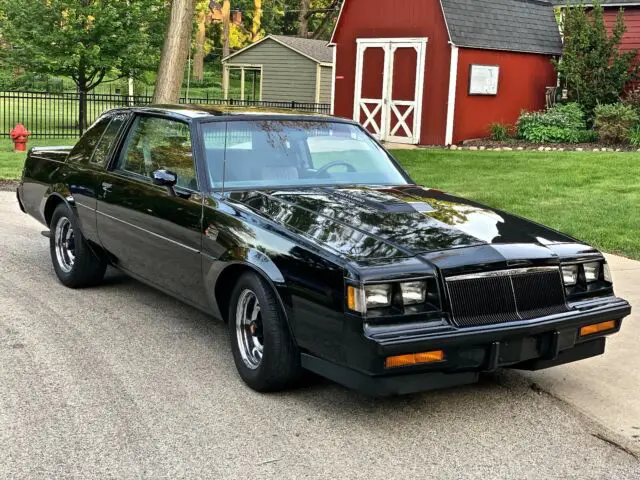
<point>441,71</point>
<point>291,68</point>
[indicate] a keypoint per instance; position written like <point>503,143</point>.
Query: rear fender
<point>54,195</point>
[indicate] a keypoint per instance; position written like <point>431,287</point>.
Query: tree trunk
<point>226,14</point>
<point>198,58</point>
<point>303,20</point>
<point>81,83</point>
<point>175,51</point>
<point>257,20</point>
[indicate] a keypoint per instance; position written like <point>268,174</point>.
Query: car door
<point>152,231</point>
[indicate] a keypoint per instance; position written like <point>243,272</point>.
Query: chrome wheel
<point>65,244</point>
<point>249,329</point>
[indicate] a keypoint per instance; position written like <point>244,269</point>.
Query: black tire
<point>279,366</point>
<point>86,269</point>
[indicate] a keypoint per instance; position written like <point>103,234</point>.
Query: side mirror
<point>166,178</point>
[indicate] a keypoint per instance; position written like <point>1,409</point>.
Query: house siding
<point>325,84</point>
<point>631,38</point>
<point>287,75</point>
<point>521,86</point>
<point>409,18</point>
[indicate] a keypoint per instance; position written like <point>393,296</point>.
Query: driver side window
<point>155,143</point>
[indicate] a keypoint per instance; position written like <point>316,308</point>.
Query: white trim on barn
<point>453,85</point>
<point>335,27</point>
<point>333,80</point>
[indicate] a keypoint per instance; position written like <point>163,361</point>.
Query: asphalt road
<point>120,381</point>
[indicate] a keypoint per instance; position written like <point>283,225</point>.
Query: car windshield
<point>290,153</point>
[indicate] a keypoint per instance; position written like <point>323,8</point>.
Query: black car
<point>317,249</point>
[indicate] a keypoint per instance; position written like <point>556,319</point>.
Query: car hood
<point>376,223</point>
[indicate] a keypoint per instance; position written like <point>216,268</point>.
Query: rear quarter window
<point>108,139</point>
<point>86,145</point>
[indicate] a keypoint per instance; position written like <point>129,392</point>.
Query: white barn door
<point>389,87</point>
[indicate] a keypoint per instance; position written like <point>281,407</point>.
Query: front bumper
<point>532,345</point>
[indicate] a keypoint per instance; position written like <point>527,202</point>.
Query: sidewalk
<point>607,388</point>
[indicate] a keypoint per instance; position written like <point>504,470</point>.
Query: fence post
<point>293,105</point>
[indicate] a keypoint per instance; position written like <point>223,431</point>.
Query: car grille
<point>506,296</point>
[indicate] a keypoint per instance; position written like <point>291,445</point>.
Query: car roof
<point>193,111</point>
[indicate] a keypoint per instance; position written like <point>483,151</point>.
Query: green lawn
<point>594,197</point>
<point>11,163</point>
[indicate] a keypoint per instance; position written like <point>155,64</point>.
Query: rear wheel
<point>264,352</point>
<point>73,261</point>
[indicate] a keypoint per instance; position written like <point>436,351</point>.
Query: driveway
<point>121,381</point>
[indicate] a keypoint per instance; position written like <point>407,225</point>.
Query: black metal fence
<point>56,115</point>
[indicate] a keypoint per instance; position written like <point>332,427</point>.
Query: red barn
<point>441,71</point>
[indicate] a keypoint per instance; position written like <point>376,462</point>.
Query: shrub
<point>634,137</point>
<point>500,131</point>
<point>558,124</point>
<point>613,123</point>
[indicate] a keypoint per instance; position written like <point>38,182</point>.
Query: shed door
<point>389,84</point>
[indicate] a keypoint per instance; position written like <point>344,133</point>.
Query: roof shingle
<point>316,49</point>
<point>510,25</point>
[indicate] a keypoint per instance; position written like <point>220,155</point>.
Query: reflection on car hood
<point>376,223</point>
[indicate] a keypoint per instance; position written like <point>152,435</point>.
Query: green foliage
<point>499,131</point>
<point>558,124</point>
<point>592,66</point>
<point>634,137</point>
<point>614,123</point>
<point>84,40</point>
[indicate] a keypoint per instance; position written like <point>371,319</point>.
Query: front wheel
<point>265,355</point>
<point>73,261</point>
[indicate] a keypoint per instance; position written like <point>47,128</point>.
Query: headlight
<point>371,296</point>
<point>377,296</point>
<point>414,293</point>
<point>363,298</point>
<point>570,274</point>
<point>592,271</point>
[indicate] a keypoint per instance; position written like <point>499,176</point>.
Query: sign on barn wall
<point>483,79</point>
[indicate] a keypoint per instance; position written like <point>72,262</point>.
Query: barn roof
<point>511,25</point>
<point>316,50</point>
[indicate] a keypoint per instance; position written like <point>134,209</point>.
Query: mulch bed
<point>516,144</point>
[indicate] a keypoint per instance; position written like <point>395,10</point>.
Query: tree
<point>175,51</point>
<point>593,68</point>
<point>202,14</point>
<point>303,18</point>
<point>257,20</point>
<point>90,41</point>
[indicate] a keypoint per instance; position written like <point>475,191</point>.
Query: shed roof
<point>511,25</point>
<point>316,50</point>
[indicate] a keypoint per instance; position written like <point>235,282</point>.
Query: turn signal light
<point>414,359</point>
<point>597,328</point>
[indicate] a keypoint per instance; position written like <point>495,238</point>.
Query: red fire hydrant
<point>20,137</point>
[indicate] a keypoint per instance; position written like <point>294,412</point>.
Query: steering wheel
<point>337,163</point>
